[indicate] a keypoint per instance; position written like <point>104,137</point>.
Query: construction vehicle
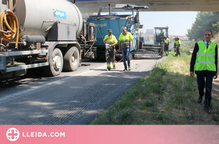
<point>43,33</point>
<point>116,22</point>
<point>160,33</point>
<point>131,22</point>
<point>155,50</point>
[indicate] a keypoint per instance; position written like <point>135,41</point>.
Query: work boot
<point>114,67</point>
<point>207,106</point>
<point>108,69</point>
<point>200,100</point>
<point>207,109</point>
<point>125,69</point>
<point>129,69</point>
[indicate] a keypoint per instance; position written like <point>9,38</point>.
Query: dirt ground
<point>215,89</point>
<point>215,98</point>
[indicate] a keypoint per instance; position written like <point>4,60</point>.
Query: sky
<point>178,22</point>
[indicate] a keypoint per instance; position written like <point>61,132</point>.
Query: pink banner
<point>112,134</point>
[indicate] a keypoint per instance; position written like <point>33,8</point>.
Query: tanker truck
<point>43,33</point>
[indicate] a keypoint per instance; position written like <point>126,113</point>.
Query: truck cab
<point>159,34</point>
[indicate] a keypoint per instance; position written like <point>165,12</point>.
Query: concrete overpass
<point>89,6</point>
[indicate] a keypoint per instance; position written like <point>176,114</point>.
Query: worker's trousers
<point>205,81</point>
<point>178,51</point>
<point>166,48</point>
<point>126,56</point>
<point>110,56</point>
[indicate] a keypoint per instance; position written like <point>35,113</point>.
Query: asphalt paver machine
<point>155,50</point>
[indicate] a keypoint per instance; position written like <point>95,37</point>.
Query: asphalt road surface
<point>71,98</point>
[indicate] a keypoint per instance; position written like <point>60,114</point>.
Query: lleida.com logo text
<point>13,134</point>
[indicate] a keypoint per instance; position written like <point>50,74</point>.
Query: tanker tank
<point>36,16</point>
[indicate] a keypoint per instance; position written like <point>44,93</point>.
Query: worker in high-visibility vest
<point>177,44</point>
<point>161,34</point>
<point>124,44</point>
<point>205,63</point>
<point>166,45</point>
<point>110,42</point>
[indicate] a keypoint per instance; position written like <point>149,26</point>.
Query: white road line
<point>22,93</point>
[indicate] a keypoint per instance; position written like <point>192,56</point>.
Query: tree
<point>204,21</point>
<point>216,23</point>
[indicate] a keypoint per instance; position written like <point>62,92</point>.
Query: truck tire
<point>55,63</point>
<point>71,59</point>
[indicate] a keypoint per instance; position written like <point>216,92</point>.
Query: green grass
<point>168,95</point>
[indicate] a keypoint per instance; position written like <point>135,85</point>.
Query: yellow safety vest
<point>126,37</point>
<point>205,57</point>
<point>166,40</point>
<point>177,42</point>
<point>112,39</point>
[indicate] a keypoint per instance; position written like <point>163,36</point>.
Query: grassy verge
<point>168,95</point>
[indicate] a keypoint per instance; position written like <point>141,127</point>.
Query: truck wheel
<point>71,59</point>
<point>55,63</point>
